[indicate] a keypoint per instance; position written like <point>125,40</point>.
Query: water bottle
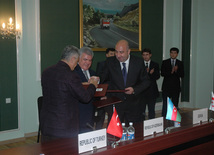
<point>130,131</point>
<point>124,136</point>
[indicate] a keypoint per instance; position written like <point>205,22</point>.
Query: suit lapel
<point>131,68</point>
<point>82,76</point>
<point>151,66</point>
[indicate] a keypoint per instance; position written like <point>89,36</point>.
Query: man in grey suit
<point>126,72</point>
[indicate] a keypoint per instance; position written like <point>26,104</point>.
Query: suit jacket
<point>136,78</point>
<point>171,82</point>
<point>100,67</point>
<point>86,111</point>
<point>62,90</point>
<point>152,91</point>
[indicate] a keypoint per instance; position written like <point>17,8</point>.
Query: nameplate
<point>200,115</point>
<point>92,140</point>
<point>153,125</point>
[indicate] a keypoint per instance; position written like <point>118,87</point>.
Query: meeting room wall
<point>8,73</point>
<point>202,54</point>
<point>29,86</point>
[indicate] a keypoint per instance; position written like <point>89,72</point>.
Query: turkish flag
<point>115,127</point>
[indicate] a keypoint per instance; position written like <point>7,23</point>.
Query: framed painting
<point>104,22</point>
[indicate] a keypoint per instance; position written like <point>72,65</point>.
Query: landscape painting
<point>104,22</point>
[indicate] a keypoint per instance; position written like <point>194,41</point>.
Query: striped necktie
<point>86,75</point>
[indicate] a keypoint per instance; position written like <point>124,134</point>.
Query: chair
<point>39,103</point>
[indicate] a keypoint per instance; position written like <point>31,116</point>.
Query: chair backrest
<point>39,102</point>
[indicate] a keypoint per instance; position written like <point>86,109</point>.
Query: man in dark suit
<point>86,111</point>
<point>62,90</point>
<point>110,52</point>
<point>101,111</point>
<point>126,72</point>
<point>150,95</point>
<point>172,70</point>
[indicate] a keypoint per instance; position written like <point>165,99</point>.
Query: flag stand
<point>113,142</point>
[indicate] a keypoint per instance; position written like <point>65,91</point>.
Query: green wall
<point>8,70</point>
<point>60,27</point>
<point>59,24</point>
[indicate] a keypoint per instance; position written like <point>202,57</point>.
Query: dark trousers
<point>174,97</point>
<point>150,101</point>
<point>127,116</point>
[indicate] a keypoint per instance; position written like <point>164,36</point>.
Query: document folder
<point>100,91</point>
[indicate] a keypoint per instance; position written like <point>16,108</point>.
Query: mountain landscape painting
<point>104,22</point>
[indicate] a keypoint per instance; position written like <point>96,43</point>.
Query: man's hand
<point>103,98</point>
<point>152,71</point>
<point>94,80</point>
<point>129,90</point>
<point>174,69</point>
<point>147,69</point>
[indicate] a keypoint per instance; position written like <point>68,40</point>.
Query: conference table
<point>189,138</point>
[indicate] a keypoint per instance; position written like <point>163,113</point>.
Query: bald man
<point>126,72</point>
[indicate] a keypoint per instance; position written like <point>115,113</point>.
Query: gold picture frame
<point>101,26</point>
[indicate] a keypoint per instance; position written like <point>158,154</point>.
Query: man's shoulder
<point>77,68</point>
<point>179,61</point>
<point>101,62</point>
<point>111,60</point>
<point>50,69</point>
<point>166,60</point>
<point>154,63</point>
<point>136,59</point>
<point>92,72</point>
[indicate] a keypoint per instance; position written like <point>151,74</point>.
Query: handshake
<point>95,80</point>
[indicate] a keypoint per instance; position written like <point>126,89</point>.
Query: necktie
<point>86,75</point>
<point>147,65</point>
<point>124,72</point>
<point>173,63</point>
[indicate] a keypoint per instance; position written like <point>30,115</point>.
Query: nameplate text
<point>90,140</point>
<point>153,125</point>
<point>200,115</point>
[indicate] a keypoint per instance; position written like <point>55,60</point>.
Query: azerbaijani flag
<point>172,112</point>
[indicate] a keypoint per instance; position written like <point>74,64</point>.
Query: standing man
<point>86,111</point>
<point>126,72</point>
<point>110,52</point>
<point>172,70</point>
<point>150,95</point>
<point>62,90</point>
